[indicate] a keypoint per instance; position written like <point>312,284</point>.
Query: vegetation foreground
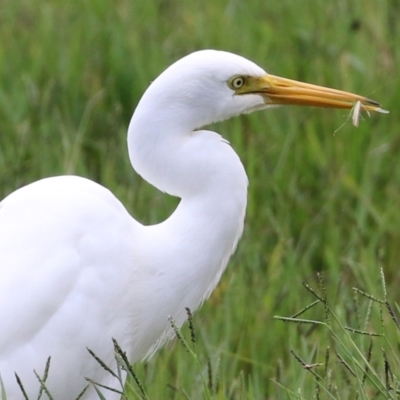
<point>308,307</point>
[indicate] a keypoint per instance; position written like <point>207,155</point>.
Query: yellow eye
<point>236,82</point>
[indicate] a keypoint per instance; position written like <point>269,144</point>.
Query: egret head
<point>210,85</point>
<point>197,89</point>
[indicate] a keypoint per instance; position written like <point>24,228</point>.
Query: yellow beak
<point>277,90</point>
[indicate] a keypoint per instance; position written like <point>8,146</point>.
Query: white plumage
<point>76,269</point>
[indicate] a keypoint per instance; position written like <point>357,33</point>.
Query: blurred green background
<point>324,196</point>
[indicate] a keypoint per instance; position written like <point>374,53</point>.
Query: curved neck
<point>200,167</point>
<point>189,251</point>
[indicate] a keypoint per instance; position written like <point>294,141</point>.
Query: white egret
<point>77,270</point>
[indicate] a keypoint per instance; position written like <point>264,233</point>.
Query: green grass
<point>321,199</point>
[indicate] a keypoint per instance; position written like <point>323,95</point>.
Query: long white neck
<point>202,169</point>
<point>192,247</point>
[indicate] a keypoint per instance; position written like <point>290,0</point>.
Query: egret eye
<point>236,82</point>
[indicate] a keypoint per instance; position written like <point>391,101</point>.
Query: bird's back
<point>62,243</point>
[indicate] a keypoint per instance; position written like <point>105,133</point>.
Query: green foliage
<point>324,196</point>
